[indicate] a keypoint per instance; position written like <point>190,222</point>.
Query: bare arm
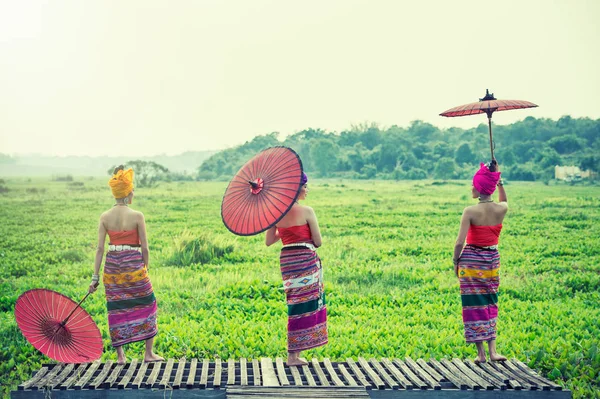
<point>144,240</point>
<point>315,232</point>
<point>272,236</point>
<point>99,256</point>
<point>465,222</point>
<point>502,194</point>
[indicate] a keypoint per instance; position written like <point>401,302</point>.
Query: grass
<point>388,272</point>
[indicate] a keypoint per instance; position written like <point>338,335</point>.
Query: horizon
<point>281,138</point>
<point>106,78</point>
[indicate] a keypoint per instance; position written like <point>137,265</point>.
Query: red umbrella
<point>488,105</point>
<point>262,191</point>
<point>58,327</point>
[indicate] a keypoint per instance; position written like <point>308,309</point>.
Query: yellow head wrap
<point>121,183</point>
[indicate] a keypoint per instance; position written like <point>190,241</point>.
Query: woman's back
<point>295,217</point>
<point>121,218</point>
<point>487,214</point>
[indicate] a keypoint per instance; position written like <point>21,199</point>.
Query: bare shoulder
<point>138,215</point>
<point>469,210</point>
<point>502,206</point>
<point>307,210</point>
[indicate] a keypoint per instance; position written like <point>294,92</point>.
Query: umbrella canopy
<point>262,191</point>
<point>58,327</point>
<point>488,105</point>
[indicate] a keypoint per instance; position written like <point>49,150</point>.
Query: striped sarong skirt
<point>129,298</point>
<point>479,281</point>
<point>302,275</point>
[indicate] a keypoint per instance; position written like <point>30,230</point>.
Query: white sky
<point>113,77</point>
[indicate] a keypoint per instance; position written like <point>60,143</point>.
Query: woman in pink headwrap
<point>477,264</point>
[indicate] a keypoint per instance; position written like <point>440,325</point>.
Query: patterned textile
<point>302,275</point>
<point>129,298</point>
<point>479,280</point>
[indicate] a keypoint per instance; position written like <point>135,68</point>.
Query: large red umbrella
<point>58,327</point>
<point>262,191</point>
<point>488,104</point>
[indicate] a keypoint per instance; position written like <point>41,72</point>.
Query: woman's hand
<point>93,287</point>
<point>455,267</point>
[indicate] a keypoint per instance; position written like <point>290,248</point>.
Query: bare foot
<point>479,360</point>
<point>297,362</point>
<point>122,360</point>
<point>153,358</point>
<point>497,357</point>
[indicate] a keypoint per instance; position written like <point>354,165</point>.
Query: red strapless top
<point>483,236</point>
<point>127,237</point>
<point>293,234</point>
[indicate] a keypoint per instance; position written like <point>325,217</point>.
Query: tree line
<point>526,150</point>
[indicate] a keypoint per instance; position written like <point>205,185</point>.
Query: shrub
<point>203,249</point>
<point>62,178</point>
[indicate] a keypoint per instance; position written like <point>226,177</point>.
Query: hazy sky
<point>113,77</point>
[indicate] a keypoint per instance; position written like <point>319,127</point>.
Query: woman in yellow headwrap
<point>129,296</point>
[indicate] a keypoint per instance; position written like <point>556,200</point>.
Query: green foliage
<point>387,250</point>
<point>206,248</point>
<point>527,150</point>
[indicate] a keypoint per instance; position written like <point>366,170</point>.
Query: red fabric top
<point>483,236</point>
<point>293,234</point>
<point>127,237</point>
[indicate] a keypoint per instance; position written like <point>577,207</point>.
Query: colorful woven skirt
<point>479,280</point>
<point>129,298</point>
<point>303,285</point>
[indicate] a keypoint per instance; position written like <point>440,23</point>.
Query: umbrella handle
<point>73,311</point>
<point>491,139</point>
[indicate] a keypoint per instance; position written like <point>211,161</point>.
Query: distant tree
<point>566,144</point>
<point>549,158</point>
<point>442,150</point>
<point>520,172</point>
<point>464,155</point>
<point>147,173</point>
<point>408,160</point>
<point>416,174</point>
<point>445,168</point>
<point>324,154</point>
<point>423,131</point>
<point>371,137</point>
<point>369,171</point>
<point>355,157</point>
<point>591,162</point>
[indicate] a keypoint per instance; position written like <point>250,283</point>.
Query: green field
<point>387,250</point>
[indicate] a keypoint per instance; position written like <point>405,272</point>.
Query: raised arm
<point>313,223</point>
<point>465,222</point>
<point>272,236</point>
<point>99,256</point>
<point>144,240</point>
<point>501,193</point>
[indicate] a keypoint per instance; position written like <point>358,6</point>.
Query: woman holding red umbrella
<point>302,275</point>
<point>129,295</point>
<point>477,264</point>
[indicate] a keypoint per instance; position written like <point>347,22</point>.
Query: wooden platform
<point>265,378</point>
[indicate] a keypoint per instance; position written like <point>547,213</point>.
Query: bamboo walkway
<point>265,378</point>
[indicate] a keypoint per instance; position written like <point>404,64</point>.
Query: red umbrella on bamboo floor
<point>58,327</point>
<point>488,105</point>
<point>262,191</point>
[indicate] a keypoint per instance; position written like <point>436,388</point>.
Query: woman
<point>477,264</point>
<point>129,296</point>
<point>302,274</point>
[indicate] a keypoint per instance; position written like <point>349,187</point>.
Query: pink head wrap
<point>485,181</point>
